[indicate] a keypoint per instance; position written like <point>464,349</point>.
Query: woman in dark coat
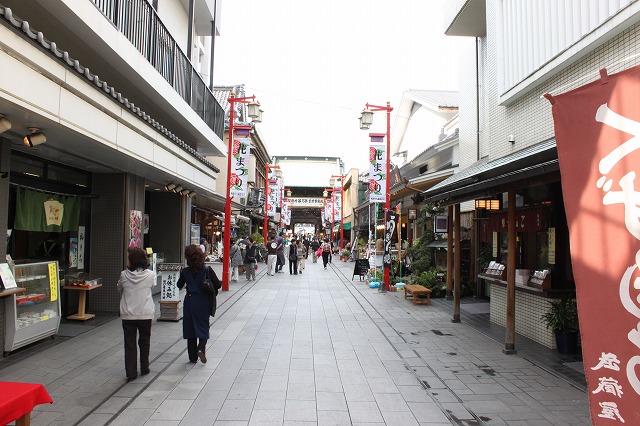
<point>198,305</point>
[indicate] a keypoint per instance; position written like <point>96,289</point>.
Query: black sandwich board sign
<point>361,268</point>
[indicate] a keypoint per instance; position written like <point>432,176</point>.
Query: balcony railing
<point>138,21</point>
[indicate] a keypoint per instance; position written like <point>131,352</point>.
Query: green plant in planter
<point>429,279</point>
<point>562,316</point>
<point>345,253</point>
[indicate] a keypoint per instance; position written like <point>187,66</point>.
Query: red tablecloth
<point>18,399</point>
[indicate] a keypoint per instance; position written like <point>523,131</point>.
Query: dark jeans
<point>325,258</point>
<point>193,346</point>
<point>131,329</point>
<point>293,267</point>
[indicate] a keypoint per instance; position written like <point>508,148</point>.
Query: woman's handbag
<point>207,285</point>
<point>319,252</point>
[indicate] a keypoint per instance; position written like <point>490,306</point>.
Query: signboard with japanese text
<point>597,129</point>
<point>337,205</point>
<point>169,288</point>
<point>240,167</point>
<point>377,173</point>
<point>274,201</point>
<point>328,211</point>
<point>390,228</point>
<point>305,202</point>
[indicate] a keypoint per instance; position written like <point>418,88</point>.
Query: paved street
<point>310,349</point>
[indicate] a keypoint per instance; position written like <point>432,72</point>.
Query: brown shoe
<point>203,358</point>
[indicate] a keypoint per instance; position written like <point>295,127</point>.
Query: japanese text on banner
<point>240,167</point>
<point>377,173</point>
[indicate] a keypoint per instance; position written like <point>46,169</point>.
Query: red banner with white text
<point>597,130</point>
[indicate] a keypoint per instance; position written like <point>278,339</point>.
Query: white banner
<point>328,211</point>
<point>240,167</point>
<point>286,211</point>
<point>274,202</point>
<point>337,205</point>
<point>306,202</point>
<point>377,173</point>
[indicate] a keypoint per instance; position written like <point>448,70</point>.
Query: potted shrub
<point>345,254</point>
<point>562,318</point>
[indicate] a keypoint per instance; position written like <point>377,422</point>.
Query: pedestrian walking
<point>137,310</point>
<point>293,257</point>
<point>235,259</point>
<point>315,245</point>
<point>272,255</point>
<point>326,252</point>
<point>280,251</point>
<point>302,256</point>
<point>198,305</point>
<point>251,258</point>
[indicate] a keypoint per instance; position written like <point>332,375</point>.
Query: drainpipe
<point>190,31</point>
<point>476,222</point>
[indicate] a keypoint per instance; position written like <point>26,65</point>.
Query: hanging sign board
<point>377,173</point>
<point>239,167</point>
<point>597,129</point>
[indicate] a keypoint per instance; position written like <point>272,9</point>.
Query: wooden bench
<point>418,293</point>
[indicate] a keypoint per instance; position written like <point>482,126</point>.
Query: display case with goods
<point>34,314</point>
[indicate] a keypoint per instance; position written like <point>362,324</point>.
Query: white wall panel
<point>533,32</point>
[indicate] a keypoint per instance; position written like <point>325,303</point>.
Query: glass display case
<point>34,314</point>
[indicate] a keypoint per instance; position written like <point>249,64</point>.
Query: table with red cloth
<point>18,399</point>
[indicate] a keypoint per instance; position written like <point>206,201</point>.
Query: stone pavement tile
<point>358,392</point>
<point>255,363</point>
<point>331,401</point>
<point>133,416</point>
<point>459,411</point>
<point>487,389</point>
<point>94,419</point>
<point>270,400</point>
<point>362,412</point>
<point>326,370</point>
<point>399,418</point>
<point>348,365</point>
<point>150,399</point>
<point>403,378</point>
<point>199,416</point>
<point>487,406</point>
<point>229,423</point>
<point>186,391</point>
<point>301,376</point>
<point>112,405</point>
<point>328,384</point>
<point>301,391</point>
<point>382,385</point>
<point>171,409</point>
<point>391,402</point>
<point>244,391</point>
<point>299,423</point>
<point>301,364</point>
<point>427,412</point>
<point>300,410</point>
<point>274,382</point>
<point>414,394</point>
<point>353,377</point>
<point>236,409</point>
<point>267,418</point>
<point>249,376</point>
<point>444,395</point>
<point>333,418</point>
<point>209,400</point>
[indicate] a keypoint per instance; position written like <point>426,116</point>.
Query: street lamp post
<point>253,108</point>
<point>365,122</point>
<point>265,230</point>
<point>341,177</point>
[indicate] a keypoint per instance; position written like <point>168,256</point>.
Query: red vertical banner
<point>597,130</point>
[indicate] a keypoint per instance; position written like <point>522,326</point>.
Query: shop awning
<point>538,162</point>
<point>347,226</point>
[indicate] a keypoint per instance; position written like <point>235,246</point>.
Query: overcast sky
<point>313,65</point>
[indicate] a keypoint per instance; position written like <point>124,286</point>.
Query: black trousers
<point>131,329</point>
<point>293,267</point>
<point>193,346</point>
<point>325,258</point>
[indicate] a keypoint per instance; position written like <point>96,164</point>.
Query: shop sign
<point>389,230</point>
<point>597,128</point>
<point>274,200</point>
<point>551,258</point>
<point>53,211</point>
<point>527,220</point>
<point>305,202</point>
<point>377,173</point>
<point>240,167</point>
<point>337,205</point>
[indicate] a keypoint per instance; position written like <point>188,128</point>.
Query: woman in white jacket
<point>137,311</point>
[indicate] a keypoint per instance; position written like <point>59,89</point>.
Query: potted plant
<point>345,254</point>
<point>562,318</point>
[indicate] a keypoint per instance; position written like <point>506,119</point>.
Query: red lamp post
<point>253,112</point>
<point>341,177</point>
<point>365,122</point>
<point>265,226</point>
